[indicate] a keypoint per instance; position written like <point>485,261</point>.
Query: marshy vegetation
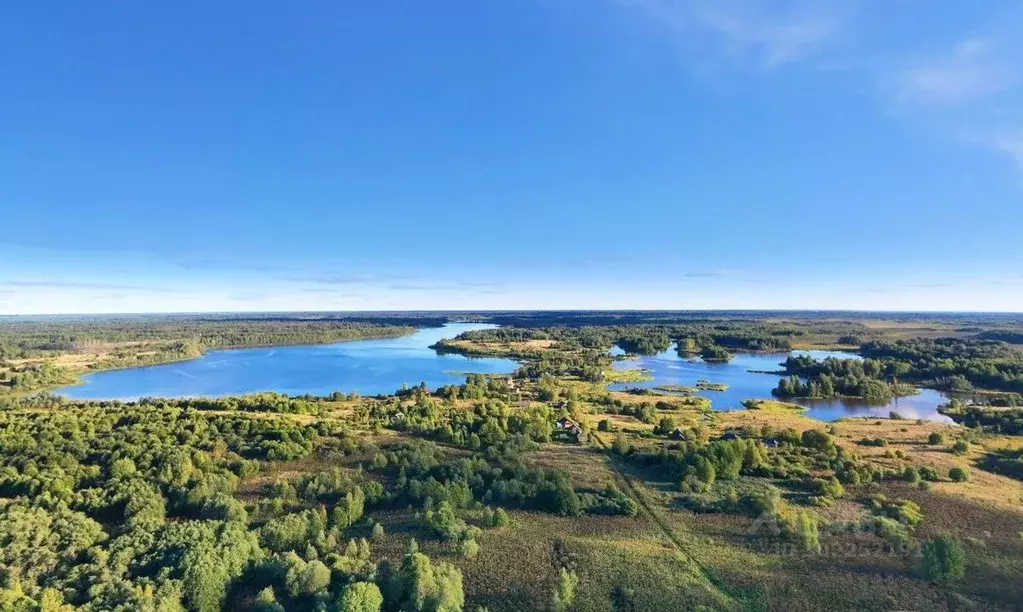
<point>540,491</point>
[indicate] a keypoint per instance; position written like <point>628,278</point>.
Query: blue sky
<point>533,154</point>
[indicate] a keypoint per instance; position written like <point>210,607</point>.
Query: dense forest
<point>952,363</point>
<point>866,378</point>
<point>38,337</point>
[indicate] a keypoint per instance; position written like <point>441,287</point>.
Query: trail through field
<point>717,586</point>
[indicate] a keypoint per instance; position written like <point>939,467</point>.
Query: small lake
<point>369,367</point>
<point>746,379</point>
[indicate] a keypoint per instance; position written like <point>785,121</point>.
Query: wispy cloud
<point>972,90</point>
<point>59,285</point>
<point>966,86</point>
<point>1009,143</point>
<point>705,274</point>
<point>924,285</point>
<point>764,32</point>
<point>344,278</point>
<point>976,68</point>
<point>335,282</point>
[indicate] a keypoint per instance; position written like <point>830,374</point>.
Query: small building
<point>510,382</point>
<point>730,435</point>
<point>678,434</point>
<point>771,443</point>
<point>566,428</point>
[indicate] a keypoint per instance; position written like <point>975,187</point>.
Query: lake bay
<point>746,378</point>
<point>369,367</point>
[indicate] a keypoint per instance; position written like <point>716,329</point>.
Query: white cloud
<point>762,32</point>
<point>967,88</point>
<point>972,91</point>
<point>1011,144</point>
<point>977,68</point>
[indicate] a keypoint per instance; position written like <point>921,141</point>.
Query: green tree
<point>564,593</point>
<point>469,548</point>
<point>305,579</point>
<point>943,559</point>
<point>361,597</point>
<point>808,532</point>
<point>959,474</point>
<point>266,601</point>
<point>429,587</point>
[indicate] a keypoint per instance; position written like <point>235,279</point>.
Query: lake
<point>668,368</point>
<point>370,367</point>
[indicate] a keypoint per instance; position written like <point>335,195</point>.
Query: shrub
<point>266,601</point>
<point>361,597</point>
<point>501,518</point>
<point>469,548</point>
<point>819,440</point>
<point>961,447</point>
<point>935,438</point>
<point>621,445</point>
<point>564,594</point>
<point>943,559</point>
<point>665,426</point>
<point>959,474</point>
<point>808,532</point>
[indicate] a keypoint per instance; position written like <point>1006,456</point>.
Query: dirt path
<point>720,589</point>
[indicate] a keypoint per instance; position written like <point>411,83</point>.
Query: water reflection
<point>749,375</point>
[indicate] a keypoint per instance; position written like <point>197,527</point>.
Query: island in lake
<point>510,461</point>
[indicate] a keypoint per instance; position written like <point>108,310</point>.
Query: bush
<point>501,518</point>
<point>961,447</point>
<point>469,548</point>
<point>564,595</point>
<point>881,442</point>
<point>665,426</point>
<point>808,532</point>
<point>621,445</point>
<point>958,474</point>
<point>361,597</point>
<point>266,601</point>
<point>935,438</point>
<point>943,559</point>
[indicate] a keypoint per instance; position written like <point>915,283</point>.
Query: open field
<point>542,491</point>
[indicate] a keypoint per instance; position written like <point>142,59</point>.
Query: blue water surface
<point>369,367</point>
<point>747,378</point>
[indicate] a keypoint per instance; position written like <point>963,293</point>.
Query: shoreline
<point>82,375</point>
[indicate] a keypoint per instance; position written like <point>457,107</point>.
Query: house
<point>730,435</point>
<point>771,443</point>
<point>565,423</point>
<point>678,434</point>
<point>510,382</point>
<point>567,428</point>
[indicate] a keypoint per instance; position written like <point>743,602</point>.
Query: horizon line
<point>509,310</point>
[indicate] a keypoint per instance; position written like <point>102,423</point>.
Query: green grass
<point>772,406</point>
